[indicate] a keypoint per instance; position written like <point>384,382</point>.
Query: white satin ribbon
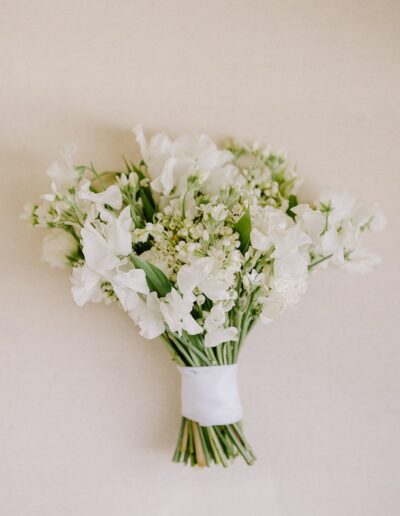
<point>210,395</point>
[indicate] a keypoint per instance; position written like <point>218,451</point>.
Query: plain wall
<point>89,411</point>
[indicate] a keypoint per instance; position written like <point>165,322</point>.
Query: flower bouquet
<point>196,244</point>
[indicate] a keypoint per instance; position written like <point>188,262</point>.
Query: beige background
<point>89,411</point>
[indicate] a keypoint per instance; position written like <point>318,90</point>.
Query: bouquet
<point>197,243</point>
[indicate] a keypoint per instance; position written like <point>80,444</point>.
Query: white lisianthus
<point>60,248</point>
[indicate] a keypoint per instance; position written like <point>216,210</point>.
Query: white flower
<point>310,221</point>
<point>64,176</point>
<point>361,262</point>
<point>273,305</point>
<point>126,286</point>
<point>58,245</point>
<point>86,285</point>
<point>290,240</point>
<point>214,325</point>
<point>102,248</point>
<point>98,253</point>
<point>368,216</point>
<point>170,163</point>
<point>341,205</point>
<point>201,275</point>
<point>176,312</point>
<point>111,196</point>
<point>117,232</point>
<point>290,289</point>
<point>148,316</point>
<point>264,222</point>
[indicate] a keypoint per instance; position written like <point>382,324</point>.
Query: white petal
<point>190,325</point>
<point>86,285</point>
<point>217,337</point>
<point>98,254</point>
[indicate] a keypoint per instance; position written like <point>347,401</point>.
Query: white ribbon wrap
<point>210,395</point>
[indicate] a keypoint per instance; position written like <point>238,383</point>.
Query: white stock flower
<point>201,275</point>
<point>214,325</point>
<point>176,312</point>
<point>58,245</point>
<point>147,315</point>
<point>64,176</point>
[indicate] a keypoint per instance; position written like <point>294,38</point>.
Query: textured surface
<point>88,410</point>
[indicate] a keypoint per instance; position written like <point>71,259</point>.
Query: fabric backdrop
<point>89,411</point>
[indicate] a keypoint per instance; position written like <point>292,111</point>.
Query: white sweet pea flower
<point>102,247</point>
<point>273,305</point>
<point>117,232</point>
<point>111,196</point>
<point>290,240</point>
<point>368,216</point>
<point>202,275</point>
<point>265,220</point>
<point>341,205</point>
<point>86,285</point>
<point>147,315</point>
<point>310,221</point>
<point>290,289</point>
<point>361,262</point>
<point>98,253</point>
<point>58,245</point>
<point>64,176</point>
<point>176,312</point>
<point>127,285</point>
<point>214,325</point>
<point>171,163</point>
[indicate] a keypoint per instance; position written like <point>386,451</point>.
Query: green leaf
<point>243,227</point>
<point>148,208</point>
<point>156,279</point>
<point>292,203</point>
